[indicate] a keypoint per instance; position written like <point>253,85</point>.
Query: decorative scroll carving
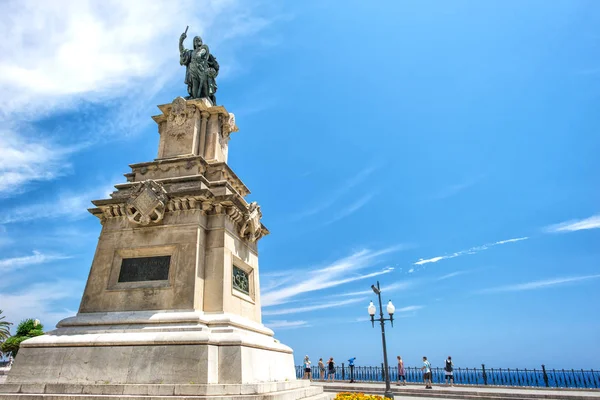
<point>180,118</point>
<point>251,226</point>
<point>147,203</point>
<point>228,125</point>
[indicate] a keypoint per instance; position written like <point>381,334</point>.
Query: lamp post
<point>390,309</point>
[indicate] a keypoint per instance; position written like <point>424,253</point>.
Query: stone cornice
<point>190,165</point>
<point>189,193</point>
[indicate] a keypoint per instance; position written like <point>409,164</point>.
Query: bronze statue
<point>201,69</point>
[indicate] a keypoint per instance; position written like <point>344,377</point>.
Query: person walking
<point>306,368</point>
<point>401,372</point>
<point>351,365</point>
<point>449,368</point>
<point>321,369</point>
<point>426,368</point>
<point>331,369</point>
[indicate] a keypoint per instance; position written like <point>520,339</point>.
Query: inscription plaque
<point>145,269</point>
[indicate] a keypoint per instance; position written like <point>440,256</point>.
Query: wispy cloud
<point>352,208</point>
<point>339,272</point>
<point>285,324</point>
<point>11,264</point>
<point>39,301</point>
<point>384,288</point>
<point>5,239</point>
<point>453,190</point>
<point>332,198</point>
<point>27,160</point>
<point>320,306</point>
<point>403,312</point>
<point>451,275</point>
<point>472,250</point>
<point>592,222</point>
<point>70,205</point>
<point>538,284</point>
<point>409,309</point>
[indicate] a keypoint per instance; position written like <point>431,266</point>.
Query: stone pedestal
<point>172,301</point>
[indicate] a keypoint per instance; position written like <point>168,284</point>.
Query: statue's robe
<point>186,58</point>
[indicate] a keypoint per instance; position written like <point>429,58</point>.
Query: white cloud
<point>403,311</point>
<point>538,284</point>
<point>592,222</point>
<point>11,264</point>
<point>434,259</point>
<point>338,194</point>
<point>60,55</point>
<point>457,188</point>
<point>26,159</point>
<point>384,288</point>
<point>70,205</point>
<point>472,250</point>
<point>352,208</point>
<point>409,309</point>
<point>451,275</point>
<point>5,239</point>
<point>84,51</point>
<point>313,307</point>
<point>284,324</point>
<point>39,301</point>
<point>341,271</point>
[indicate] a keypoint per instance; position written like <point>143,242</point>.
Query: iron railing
<point>519,377</point>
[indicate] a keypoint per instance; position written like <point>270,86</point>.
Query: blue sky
<point>447,149</point>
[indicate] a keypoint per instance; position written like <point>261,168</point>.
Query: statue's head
<point>197,42</point>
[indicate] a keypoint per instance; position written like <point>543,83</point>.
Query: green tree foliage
<point>12,344</point>
<point>26,329</point>
<point>4,328</point>
<point>30,327</point>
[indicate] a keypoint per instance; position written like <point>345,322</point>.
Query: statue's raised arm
<point>181,39</point>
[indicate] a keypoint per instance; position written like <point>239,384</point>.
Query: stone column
<point>203,126</point>
<point>225,145</point>
<point>161,143</point>
<point>212,138</point>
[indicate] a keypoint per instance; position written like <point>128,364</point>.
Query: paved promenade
<point>413,391</point>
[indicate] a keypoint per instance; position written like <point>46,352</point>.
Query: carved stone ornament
<point>251,228</point>
<point>240,280</point>
<point>147,203</point>
<point>180,113</point>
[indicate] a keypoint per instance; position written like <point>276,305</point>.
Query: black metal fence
<point>556,378</point>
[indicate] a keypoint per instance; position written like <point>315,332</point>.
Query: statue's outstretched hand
<point>182,37</point>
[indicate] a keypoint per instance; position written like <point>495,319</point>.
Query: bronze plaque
<point>145,269</point>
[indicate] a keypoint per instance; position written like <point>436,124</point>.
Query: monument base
<point>154,347</point>
<point>163,353</point>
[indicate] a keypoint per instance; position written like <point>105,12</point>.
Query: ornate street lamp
<point>390,309</point>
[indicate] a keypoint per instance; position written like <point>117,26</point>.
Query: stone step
<point>297,393</point>
<point>153,389</point>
